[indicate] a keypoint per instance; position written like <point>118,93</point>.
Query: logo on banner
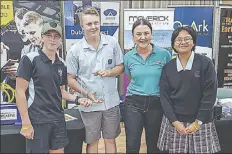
<point>110,12</point>
<point>161,20</point>
<point>110,17</point>
<point>149,18</point>
<point>8,114</point>
<point>199,28</point>
<point>226,25</point>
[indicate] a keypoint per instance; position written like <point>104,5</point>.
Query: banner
<point>162,25</point>
<point>225,49</point>
<point>108,11</point>
<point>201,19</point>
<point>21,24</point>
<point>6,12</point>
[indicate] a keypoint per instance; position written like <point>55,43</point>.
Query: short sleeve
<point>126,67</point>
<point>72,63</point>
<point>64,76</point>
<point>25,68</point>
<point>118,53</point>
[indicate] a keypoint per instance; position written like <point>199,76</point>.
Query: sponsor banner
<point>160,19</point>
<point>225,49</point>
<point>8,114</point>
<point>162,25</point>
<point>76,32</point>
<point>17,34</point>
<point>108,11</point>
<point>7,14</point>
<point>201,19</point>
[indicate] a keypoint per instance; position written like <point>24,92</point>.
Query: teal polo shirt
<point>145,74</point>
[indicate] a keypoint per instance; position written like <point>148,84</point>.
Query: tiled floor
<point>121,143</point>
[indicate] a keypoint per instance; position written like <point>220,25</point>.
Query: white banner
<point>161,21</point>
<point>8,114</point>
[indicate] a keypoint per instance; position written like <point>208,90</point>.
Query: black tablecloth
<point>13,142</point>
<point>76,132</point>
<point>224,131</point>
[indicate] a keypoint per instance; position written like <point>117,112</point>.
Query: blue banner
<point>76,32</point>
<point>109,15</point>
<point>201,19</point>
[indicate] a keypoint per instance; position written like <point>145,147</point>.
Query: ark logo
<point>110,12</point>
<point>203,27</point>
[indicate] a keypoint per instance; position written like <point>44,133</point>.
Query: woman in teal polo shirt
<point>143,65</point>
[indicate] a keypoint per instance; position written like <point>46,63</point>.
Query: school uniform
<point>186,95</point>
<point>83,60</point>
<point>44,101</point>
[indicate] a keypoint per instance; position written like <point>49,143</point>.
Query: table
<point>224,131</point>
<point>75,131</point>
<point>13,142</point>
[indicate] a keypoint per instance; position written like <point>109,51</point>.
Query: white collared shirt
<point>189,63</point>
<point>83,60</point>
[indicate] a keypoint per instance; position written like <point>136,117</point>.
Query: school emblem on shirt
<point>110,61</point>
<point>60,72</point>
<point>197,74</point>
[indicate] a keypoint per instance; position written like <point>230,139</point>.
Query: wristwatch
<point>76,100</point>
<point>199,122</point>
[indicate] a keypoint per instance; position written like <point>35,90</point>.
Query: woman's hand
<point>194,127</point>
<point>179,127</point>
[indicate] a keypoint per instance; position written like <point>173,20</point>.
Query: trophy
<point>95,90</point>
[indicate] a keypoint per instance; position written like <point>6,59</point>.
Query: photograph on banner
<point>21,27</point>
<point>109,15</point>
<point>201,19</point>
<point>162,28</point>
<point>225,49</point>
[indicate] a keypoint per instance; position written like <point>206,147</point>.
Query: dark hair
<point>141,21</point>
<point>21,12</point>
<point>191,32</point>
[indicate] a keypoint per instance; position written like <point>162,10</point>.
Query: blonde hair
<point>88,11</point>
<point>19,13</point>
<point>32,17</point>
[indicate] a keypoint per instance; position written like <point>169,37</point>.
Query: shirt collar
<point>189,63</point>
<point>46,59</point>
<point>103,42</point>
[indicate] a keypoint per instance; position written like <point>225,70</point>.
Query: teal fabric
<point>145,74</point>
